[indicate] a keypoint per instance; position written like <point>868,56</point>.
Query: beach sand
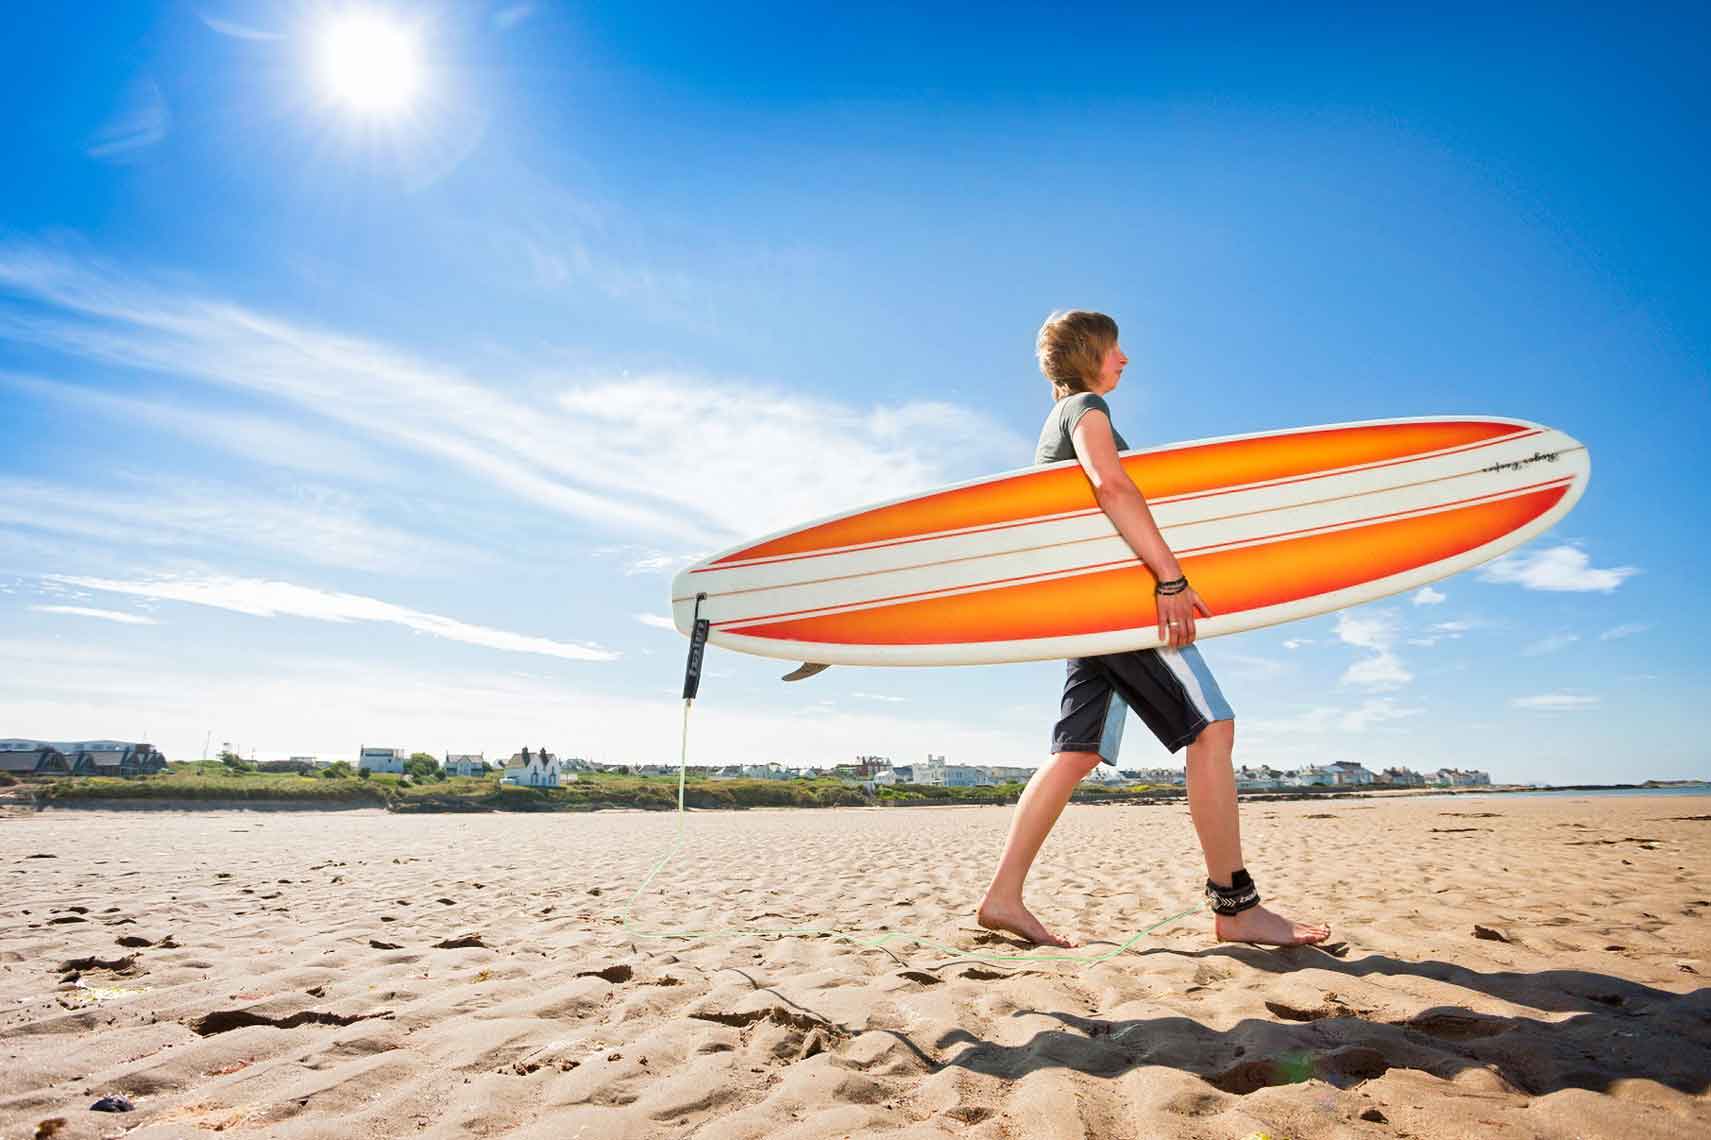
<point>1507,967</point>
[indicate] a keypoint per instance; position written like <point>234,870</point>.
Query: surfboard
<point>1269,527</point>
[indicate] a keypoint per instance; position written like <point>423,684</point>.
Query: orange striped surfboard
<point>1022,566</point>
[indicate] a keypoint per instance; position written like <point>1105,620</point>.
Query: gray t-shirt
<point>1056,437</point>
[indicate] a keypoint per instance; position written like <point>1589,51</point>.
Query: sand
<point>1506,967</point>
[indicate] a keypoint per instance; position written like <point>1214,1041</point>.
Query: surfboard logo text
<point>1517,464</point>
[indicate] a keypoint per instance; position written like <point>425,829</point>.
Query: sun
<point>370,64</point>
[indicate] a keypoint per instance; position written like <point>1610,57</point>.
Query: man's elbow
<point>1109,492</point>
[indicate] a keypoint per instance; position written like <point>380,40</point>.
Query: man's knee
<point>1220,734</point>
<point>1079,763</point>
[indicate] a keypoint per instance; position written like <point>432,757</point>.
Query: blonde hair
<point>1071,349</point>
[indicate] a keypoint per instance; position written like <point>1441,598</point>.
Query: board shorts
<point>1171,690</point>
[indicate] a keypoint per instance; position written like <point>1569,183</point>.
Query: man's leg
<point>1042,802</point>
<point>1212,804</point>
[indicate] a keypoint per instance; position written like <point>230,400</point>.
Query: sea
<point>1571,793</point>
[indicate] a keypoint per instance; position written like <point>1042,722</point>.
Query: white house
<point>466,764</point>
<point>932,772</point>
<point>1309,776</point>
<point>532,769</point>
<point>382,759</point>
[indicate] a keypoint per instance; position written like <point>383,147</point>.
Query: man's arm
<point>1118,496</point>
<point>1122,502</point>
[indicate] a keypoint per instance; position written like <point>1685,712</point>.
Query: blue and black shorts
<point>1171,690</point>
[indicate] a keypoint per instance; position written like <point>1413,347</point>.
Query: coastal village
<point>540,768</point>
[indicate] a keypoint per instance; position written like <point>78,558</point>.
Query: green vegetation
<point>335,786</point>
<point>423,767</point>
<point>421,791</point>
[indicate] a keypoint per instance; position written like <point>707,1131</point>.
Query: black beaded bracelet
<point>1174,586</point>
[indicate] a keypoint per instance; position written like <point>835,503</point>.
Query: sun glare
<point>370,64</point>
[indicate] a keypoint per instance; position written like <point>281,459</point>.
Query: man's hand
<point>1176,617</point>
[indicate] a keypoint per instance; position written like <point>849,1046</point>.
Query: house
<point>967,776</point>
<point>1002,774</point>
<point>303,767</point>
<point>1171,776</point>
<point>466,764</point>
<point>1402,777</point>
<point>1261,779</point>
<point>1350,772</point>
<point>32,758</point>
<point>1309,776</point>
<point>80,758</point>
<point>1455,777</point>
<point>931,773</point>
<point>532,770</point>
<point>382,759</point>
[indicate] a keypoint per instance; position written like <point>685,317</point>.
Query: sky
<point>377,406</point>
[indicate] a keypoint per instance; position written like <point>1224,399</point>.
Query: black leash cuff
<point>1233,899</point>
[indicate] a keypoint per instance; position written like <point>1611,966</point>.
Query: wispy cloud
<point>267,599</point>
<point>1555,702</point>
<point>315,525</point>
<point>119,616</point>
<point>656,621</point>
<point>1429,597</point>
<point>881,697</point>
<point>1297,642</point>
<point>511,15</point>
<point>1626,629</point>
<point>256,438</point>
<point>609,452</point>
<point>1374,630</point>
<point>141,122</point>
<point>1551,644</point>
<point>1559,568</point>
<point>1326,718</point>
<point>237,31</point>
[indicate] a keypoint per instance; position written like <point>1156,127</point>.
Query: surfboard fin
<point>805,670</point>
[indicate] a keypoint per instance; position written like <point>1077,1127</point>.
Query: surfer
<point>1170,688</point>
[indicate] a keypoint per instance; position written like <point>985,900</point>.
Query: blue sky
<point>328,429</point>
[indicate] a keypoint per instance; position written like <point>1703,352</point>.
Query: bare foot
<point>1267,928</point>
<point>1015,919</point>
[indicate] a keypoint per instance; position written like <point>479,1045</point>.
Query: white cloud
<point>1559,568</point>
<point>140,123</point>
<point>1626,629</point>
<point>656,621</point>
<point>1382,671</point>
<point>511,15</point>
<point>1297,642</point>
<point>239,31</point>
<point>1324,719</point>
<point>610,452</point>
<point>119,616</point>
<point>1375,712</point>
<point>1373,630</point>
<point>1457,627</point>
<point>261,598</point>
<point>1429,597</point>
<point>1550,644</point>
<point>1555,702</point>
<point>1252,668</point>
<point>880,697</point>
<point>255,438</point>
<point>317,525</point>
